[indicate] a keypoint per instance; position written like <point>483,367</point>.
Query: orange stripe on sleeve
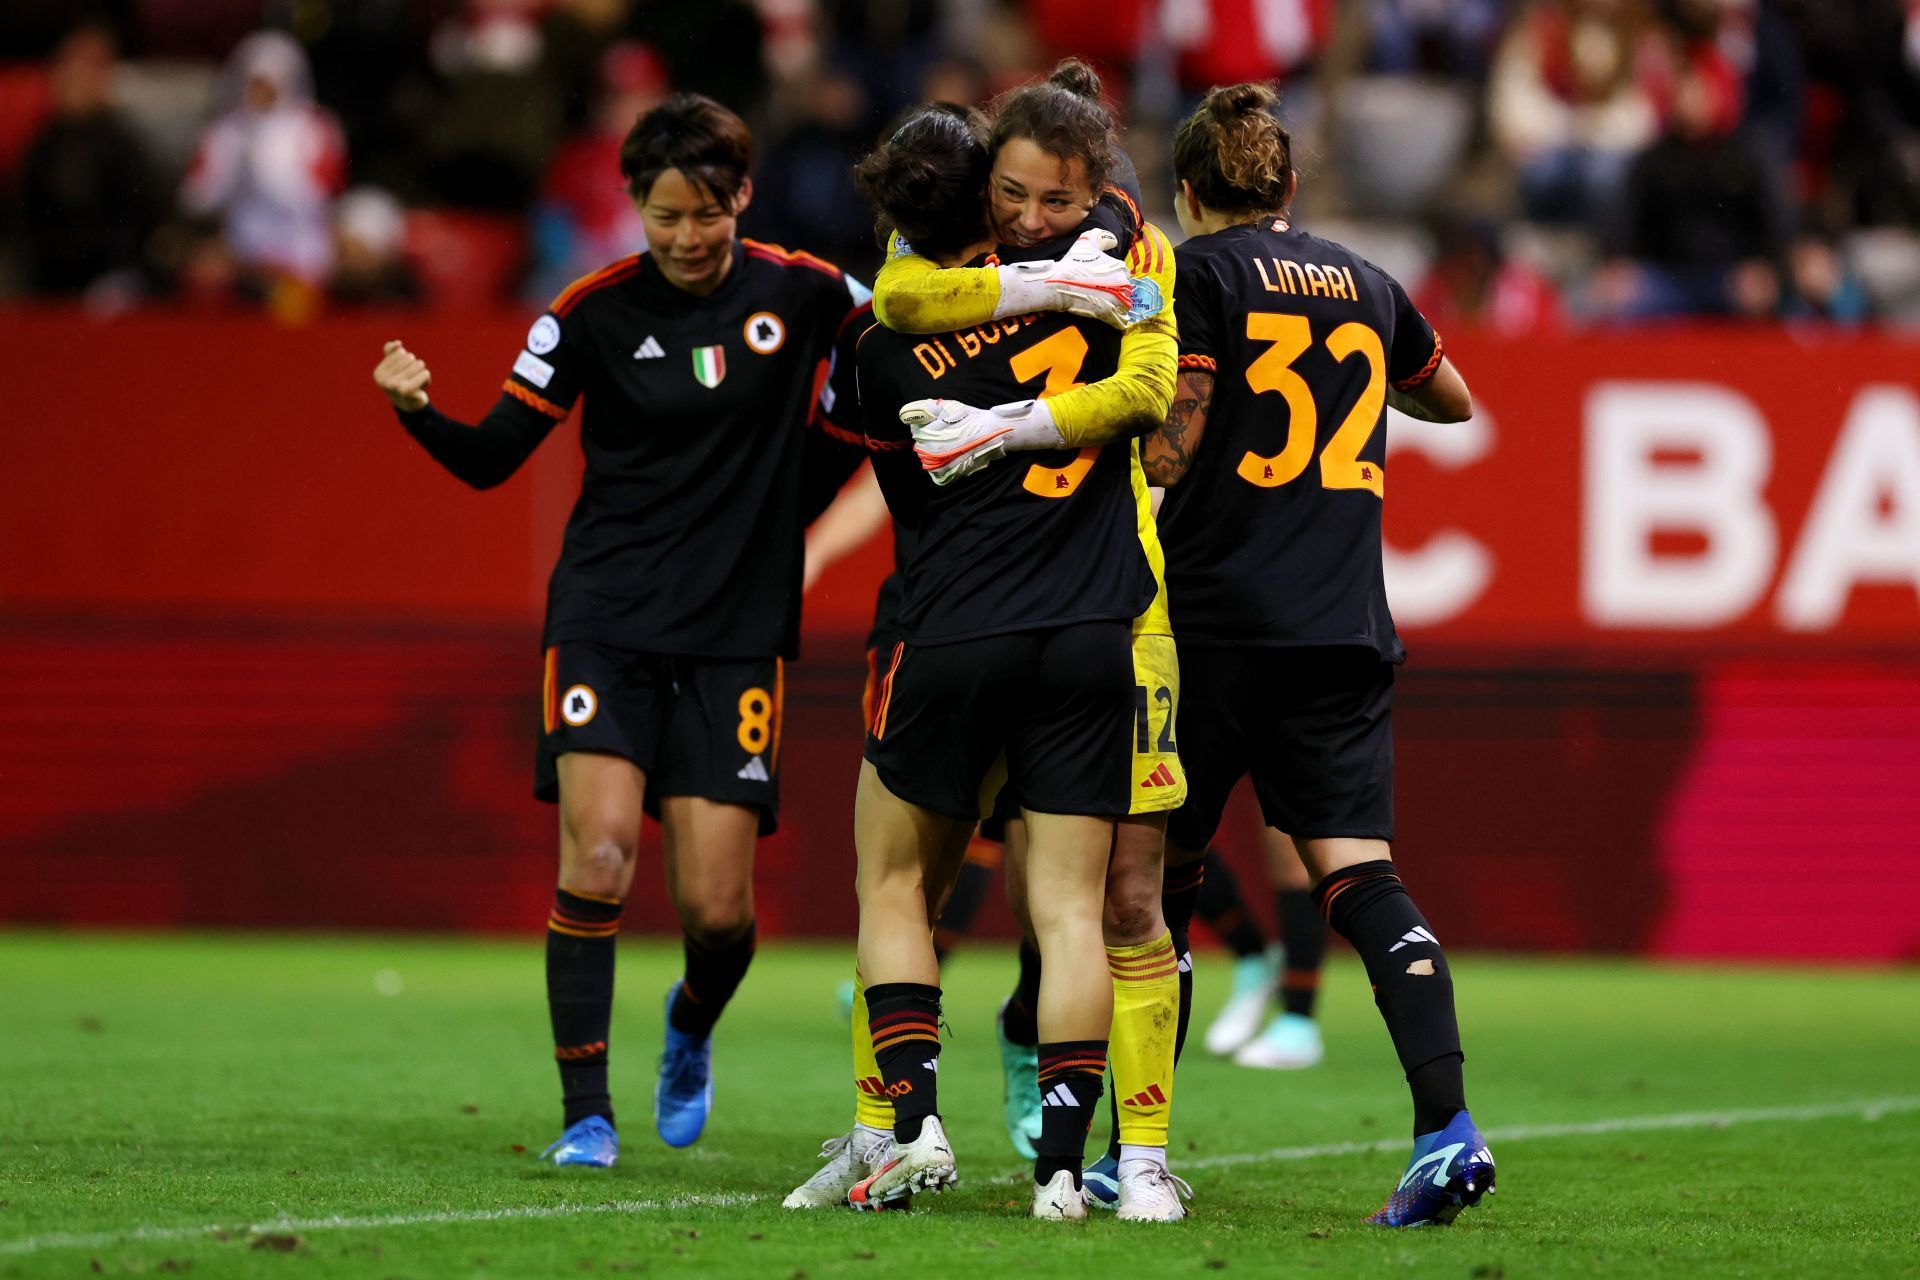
<point>1427,370</point>
<point>1199,362</point>
<point>541,403</point>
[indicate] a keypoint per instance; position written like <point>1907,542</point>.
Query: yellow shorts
<point>1159,783</point>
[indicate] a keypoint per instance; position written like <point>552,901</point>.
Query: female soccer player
<point>1017,612</point>
<point>1054,156</point>
<point>1291,349</point>
<point>676,597</point>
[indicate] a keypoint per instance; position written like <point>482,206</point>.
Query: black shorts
<point>704,727</point>
<point>1312,725</point>
<point>1057,705</point>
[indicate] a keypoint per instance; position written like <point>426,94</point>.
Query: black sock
<point>713,974</point>
<point>580,933</point>
<point>963,904</point>
<point>1412,986</point>
<point>1070,1076</point>
<point>1225,910</point>
<point>1304,935</point>
<point>1021,1020</point>
<point>1178,895</point>
<point>904,1018</point>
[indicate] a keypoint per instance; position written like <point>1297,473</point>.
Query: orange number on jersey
<point>1340,464</point>
<point>1059,357</point>
<point>1273,371</point>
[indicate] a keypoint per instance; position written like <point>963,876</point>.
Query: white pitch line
<point>294,1226</point>
<point>1870,1111</point>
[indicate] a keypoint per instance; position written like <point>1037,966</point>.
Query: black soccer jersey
<point>1273,535</point>
<point>710,437</point>
<point>1033,540</point>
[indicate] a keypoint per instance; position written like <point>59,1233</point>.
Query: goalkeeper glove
<point>1088,281</point>
<point>953,439</point>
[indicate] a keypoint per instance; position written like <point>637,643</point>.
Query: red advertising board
<point>1692,487</point>
<point>1662,595</point>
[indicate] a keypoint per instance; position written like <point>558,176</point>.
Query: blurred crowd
<point>1526,163</point>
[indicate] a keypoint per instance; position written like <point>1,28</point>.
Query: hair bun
<point>1244,100</point>
<point>1077,78</point>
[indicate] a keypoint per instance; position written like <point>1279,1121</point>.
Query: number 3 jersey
<point>1033,540</point>
<point>1273,535</point>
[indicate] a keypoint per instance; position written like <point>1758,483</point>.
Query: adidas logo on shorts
<point>1161,777</point>
<point>755,770</point>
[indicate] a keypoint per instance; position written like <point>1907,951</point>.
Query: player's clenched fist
<point>403,376</point>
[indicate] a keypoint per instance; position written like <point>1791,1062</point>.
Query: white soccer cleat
<point>925,1164</point>
<point>1290,1043</point>
<point>1060,1200</point>
<point>849,1158</point>
<point>1149,1193</point>
<point>1239,1019</point>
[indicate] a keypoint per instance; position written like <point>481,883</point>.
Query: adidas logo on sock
<point>1059,1096</point>
<point>1417,934</point>
<point>755,770</point>
<point>1161,777</point>
<point>1151,1098</point>
<point>650,349</point>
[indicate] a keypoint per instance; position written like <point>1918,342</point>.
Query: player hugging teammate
<point>1030,614</point>
<point>1291,347</point>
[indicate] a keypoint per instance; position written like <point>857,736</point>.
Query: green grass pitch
<point>371,1107</point>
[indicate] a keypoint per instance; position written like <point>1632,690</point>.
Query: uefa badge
<point>765,332</point>
<point>709,366</point>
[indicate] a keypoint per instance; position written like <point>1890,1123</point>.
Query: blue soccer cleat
<point>1101,1181</point>
<point>1451,1169</point>
<point>683,1095</point>
<point>591,1142</point>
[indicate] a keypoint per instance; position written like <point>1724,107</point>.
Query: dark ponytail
<point>1064,115</point>
<point>928,180</point>
<point>1234,151</point>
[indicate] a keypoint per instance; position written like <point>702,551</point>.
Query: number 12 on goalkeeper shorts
<point>1145,703</point>
<point>759,733</point>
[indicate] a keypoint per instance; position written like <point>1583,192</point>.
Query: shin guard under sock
<point>580,934</point>
<point>1020,1022</point>
<point>904,1020</point>
<point>1224,909</point>
<point>713,974</point>
<point>1303,934</point>
<point>1070,1078</point>
<point>1412,986</point>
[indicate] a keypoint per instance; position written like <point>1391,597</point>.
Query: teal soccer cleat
<point>683,1095</point>
<point>1451,1170</point>
<point>591,1142</point>
<point>1020,1065</point>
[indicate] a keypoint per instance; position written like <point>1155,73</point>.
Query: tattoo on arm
<point>1168,452</point>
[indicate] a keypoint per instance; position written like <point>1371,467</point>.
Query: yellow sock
<point>1146,1016</point>
<point>871,1106</point>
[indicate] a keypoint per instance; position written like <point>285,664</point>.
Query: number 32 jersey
<point>1272,538</point>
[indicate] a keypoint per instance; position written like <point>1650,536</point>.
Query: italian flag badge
<point>709,365</point>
